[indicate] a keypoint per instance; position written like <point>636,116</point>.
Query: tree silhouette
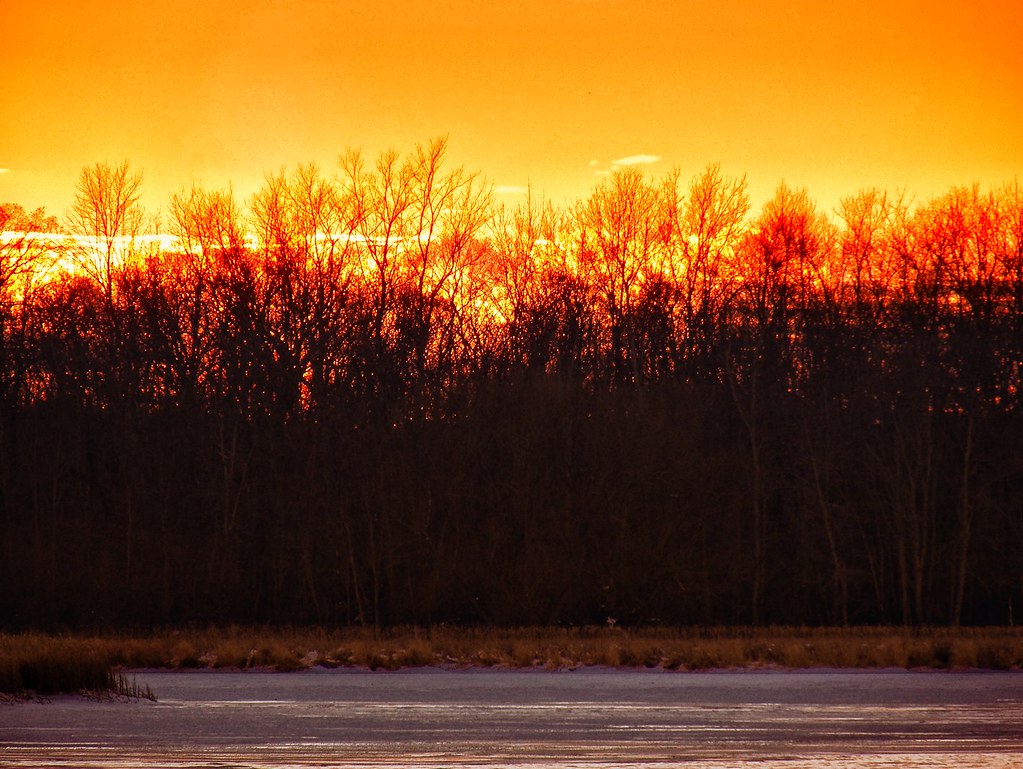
<point>370,396</point>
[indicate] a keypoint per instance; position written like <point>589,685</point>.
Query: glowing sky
<point>832,96</point>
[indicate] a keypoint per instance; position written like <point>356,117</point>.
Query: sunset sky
<point>831,96</point>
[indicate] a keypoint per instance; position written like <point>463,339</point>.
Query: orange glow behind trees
<point>417,274</point>
<point>421,259</point>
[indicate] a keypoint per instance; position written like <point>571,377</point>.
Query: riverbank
<point>53,663</point>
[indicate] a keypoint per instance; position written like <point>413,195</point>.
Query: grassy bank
<point>37,665</point>
<point>34,663</point>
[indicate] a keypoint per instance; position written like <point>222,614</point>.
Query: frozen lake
<point>582,718</point>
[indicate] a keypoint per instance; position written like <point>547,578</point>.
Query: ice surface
<point>482,718</point>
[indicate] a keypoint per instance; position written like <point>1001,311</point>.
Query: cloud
<point>5,170</point>
<point>636,160</point>
<point>630,160</point>
<point>509,189</point>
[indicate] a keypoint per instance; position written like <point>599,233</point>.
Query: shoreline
<point>47,664</point>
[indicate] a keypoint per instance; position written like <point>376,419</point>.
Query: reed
<point>41,664</point>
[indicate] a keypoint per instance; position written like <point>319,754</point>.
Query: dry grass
<point>34,664</point>
<point>48,664</point>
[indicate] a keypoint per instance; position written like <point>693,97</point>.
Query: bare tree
<point>1009,207</point>
<point>307,230</point>
<point>381,199</point>
<point>867,252</point>
<point>107,210</point>
<point>710,225</point>
<point>418,226</point>
<point>181,285</point>
<point>29,244</point>
<point>451,210</point>
<point>206,221</point>
<point>785,257</point>
<point>618,232</point>
<point>527,242</point>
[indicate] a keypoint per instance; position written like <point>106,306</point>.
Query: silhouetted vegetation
<point>399,404</point>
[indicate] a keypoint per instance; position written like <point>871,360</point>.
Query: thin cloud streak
<point>636,160</point>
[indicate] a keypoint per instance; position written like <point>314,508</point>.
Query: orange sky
<point>831,96</point>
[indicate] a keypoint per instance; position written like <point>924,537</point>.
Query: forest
<point>373,396</point>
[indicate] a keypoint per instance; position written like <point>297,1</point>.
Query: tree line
<point>376,397</point>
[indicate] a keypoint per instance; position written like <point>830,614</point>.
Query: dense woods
<point>372,396</point>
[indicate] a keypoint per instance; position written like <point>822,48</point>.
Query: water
<point>491,718</point>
